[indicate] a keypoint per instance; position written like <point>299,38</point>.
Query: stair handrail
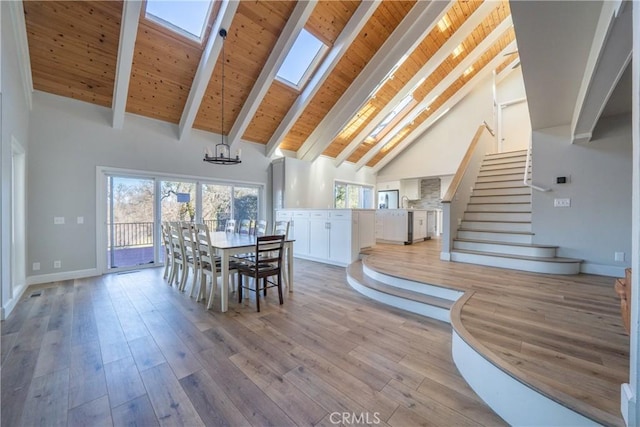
<point>457,197</point>
<point>525,178</point>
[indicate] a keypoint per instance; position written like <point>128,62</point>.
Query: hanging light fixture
<point>222,154</point>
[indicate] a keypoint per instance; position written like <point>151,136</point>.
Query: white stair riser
<point>501,191</point>
<point>497,216</point>
<point>503,171</point>
<point>518,198</point>
<point>500,207</point>
<point>534,266</point>
<point>503,166</point>
<point>499,184</point>
<point>501,161</point>
<point>495,237</point>
<point>497,226</point>
<point>530,251</point>
<point>505,177</point>
<point>506,154</point>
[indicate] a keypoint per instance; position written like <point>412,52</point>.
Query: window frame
<point>311,68</point>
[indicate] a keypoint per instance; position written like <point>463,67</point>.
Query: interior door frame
<point>501,107</point>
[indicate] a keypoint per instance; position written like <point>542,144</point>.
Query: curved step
<point>529,250</point>
<point>553,265</point>
<point>414,302</point>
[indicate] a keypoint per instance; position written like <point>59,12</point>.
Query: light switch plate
<point>561,203</point>
<point>58,220</point>
<point>619,256</point>
<point>57,264</point>
<point>36,266</point>
<point>80,220</point>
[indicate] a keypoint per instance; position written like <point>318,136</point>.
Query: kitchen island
<point>403,226</point>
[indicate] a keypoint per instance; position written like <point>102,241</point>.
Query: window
<point>188,18</point>
<point>303,58</point>
<point>352,196</point>
<point>391,116</point>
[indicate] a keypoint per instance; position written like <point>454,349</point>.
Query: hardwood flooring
<point>561,334</point>
<point>127,349</point>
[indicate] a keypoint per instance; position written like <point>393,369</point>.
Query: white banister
<point>525,178</point>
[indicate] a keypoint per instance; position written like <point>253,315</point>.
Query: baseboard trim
<point>627,404</point>
<point>445,256</point>
<point>65,275</point>
<point>6,310</point>
<point>601,269</point>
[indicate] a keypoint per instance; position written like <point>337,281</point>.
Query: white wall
<point>310,185</point>
<point>14,124</point>
<point>598,223</point>
<point>440,149</point>
<point>70,139</point>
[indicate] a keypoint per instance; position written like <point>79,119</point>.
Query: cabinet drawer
<point>283,216</point>
<point>339,215</point>
<point>301,214</point>
<point>317,215</point>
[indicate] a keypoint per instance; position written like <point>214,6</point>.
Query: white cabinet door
<point>299,231</point>
<point>340,241</point>
<point>419,225</point>
<point>318,236</point>
<point>366,229</point>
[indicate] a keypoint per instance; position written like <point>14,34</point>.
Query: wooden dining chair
<point>281,228</point>
<point>179,265</point>
<point>191,259</point>
<point>263,266</point>
<point>245,227</point>
<point>230,227</point>
<point>168,250</point>
<point>261,228</point>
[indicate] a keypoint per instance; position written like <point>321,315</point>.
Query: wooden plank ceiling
<point>73,49</point>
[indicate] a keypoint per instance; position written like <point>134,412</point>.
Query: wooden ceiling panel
<point>485,58</point>
<point>456,15</point>
<point>327,21</point>
<point>375,32</point>
<point>251,37</point>
<point>73,47</point>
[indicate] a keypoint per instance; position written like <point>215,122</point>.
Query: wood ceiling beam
<point>414,27</point>
<point>128,31</point>
<point>429,67</point>
<point>610,54</point>
<point>342,43</point>
<point>205,68</point>
<point>444,108</point>
<point>440,87</point>
<point>295,23</point>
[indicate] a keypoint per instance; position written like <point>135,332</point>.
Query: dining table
<point>228,244</point>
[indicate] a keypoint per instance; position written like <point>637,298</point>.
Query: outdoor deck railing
<point>134,234</point>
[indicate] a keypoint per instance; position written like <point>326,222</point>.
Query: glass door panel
<point>245,203</point>
<point>130,222</point>
<point>216,205</point>
<point>177,203</point>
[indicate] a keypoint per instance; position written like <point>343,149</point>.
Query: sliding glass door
<point>130,222</point>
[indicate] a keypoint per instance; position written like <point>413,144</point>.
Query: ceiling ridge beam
<point>131,10</point>
<point>294,24</point>
<point>472,57</point>
<point>16,12</point>
<point>205,68</point>
<point>610,54</point>
<point>414,27</point>
<point>444,108</point>
<point>476,18</point>
<point>342,43</point>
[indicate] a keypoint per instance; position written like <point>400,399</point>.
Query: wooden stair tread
<point>500,222</point>
<point>355,271</point>
<point>500,195</point>
<point>499,203</point>
<point>522,257</point>
<point>493,242</point>
<point>496,231</point>
<point>500,212</point>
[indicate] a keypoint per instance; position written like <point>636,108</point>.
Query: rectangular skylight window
<point>188,17</point>
<point>458,50</point>
<point>392,115</point>
<point>303,58</point>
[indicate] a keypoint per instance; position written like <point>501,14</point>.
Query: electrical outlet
<point>561,203</point>
<point>80,220</point>
<point>619,256</point>
<point>36,266</point>
<point>58,220</point>
<point>57,264</point>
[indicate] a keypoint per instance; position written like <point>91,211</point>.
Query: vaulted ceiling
<point>108,53</point>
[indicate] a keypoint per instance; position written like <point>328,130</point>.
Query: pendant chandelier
<point>222,154</point>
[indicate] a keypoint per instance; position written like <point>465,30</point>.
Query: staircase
<point>496,227</point>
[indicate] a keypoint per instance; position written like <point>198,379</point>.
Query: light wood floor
<point>561,334</point>
<point>129,350</point>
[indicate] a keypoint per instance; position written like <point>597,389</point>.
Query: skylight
<point>188,17</point>
<point>302,59</point>
<point>392,115</point>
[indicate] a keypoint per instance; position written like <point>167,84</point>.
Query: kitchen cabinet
<point>402,226</point>
<point>419,225</point>
<point>410,188</point>
<point>333,236</point>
